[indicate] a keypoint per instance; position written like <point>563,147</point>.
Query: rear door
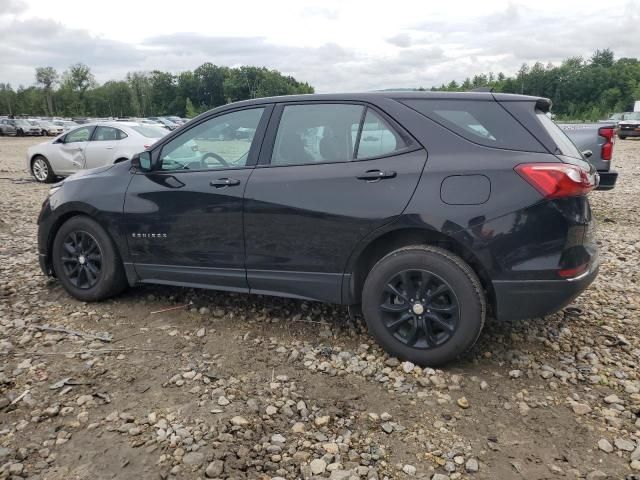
<point>100,150</point>
<point>70,153</point>
<point>329,174</point>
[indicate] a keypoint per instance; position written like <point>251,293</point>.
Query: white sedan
<point>90,146</point>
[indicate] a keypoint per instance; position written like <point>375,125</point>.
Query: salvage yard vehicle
<point>47,127</point>
<point>89,146</point>
<point>65,124</point>
<point>629,125</point>
<point>7,128</point>
<point>595,141</point>
<point>430,210</point>
<point>23,127</point>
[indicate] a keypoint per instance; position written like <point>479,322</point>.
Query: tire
<point>19,133</point>
<point>622,137</point>
<point>451,305</point>
<point>95,253</point>
<point>41,169</point>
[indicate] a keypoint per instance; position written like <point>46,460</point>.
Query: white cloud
<point>334,45</point>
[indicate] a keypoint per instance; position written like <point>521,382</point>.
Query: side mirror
<point>141,161</point>
<point>60,139</point>
<point>587,153</point>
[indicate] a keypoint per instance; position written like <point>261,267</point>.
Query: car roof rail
<point>482,89</point>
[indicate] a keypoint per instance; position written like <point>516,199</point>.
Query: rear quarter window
<point>484,122</point>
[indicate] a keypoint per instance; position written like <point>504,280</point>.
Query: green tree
<point>47,77</point>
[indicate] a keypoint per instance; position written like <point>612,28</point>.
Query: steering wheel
<point>215,156</point>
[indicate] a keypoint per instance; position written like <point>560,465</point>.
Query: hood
<point>91,171</point>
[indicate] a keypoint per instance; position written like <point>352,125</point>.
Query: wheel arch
<point>403,237</point>
<point>77,211</point>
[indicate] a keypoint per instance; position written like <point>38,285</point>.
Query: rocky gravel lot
<point>231,386</point>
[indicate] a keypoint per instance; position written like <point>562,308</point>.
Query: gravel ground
<point>231,386</point>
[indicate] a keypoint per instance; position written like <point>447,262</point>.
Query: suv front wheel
<point>423,304</point>
<point>86,261</point>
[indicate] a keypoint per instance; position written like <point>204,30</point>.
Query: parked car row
<point>56,126</point>
<point>88,146</point>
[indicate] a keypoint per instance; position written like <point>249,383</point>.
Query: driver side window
<point>221,142</point>
<point>79,135</point>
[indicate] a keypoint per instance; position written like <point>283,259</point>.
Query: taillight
<point>607,147</point>
<point>557,180</point>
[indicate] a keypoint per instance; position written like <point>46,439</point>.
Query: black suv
<point>430,210</point>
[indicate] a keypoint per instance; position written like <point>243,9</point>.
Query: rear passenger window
<point>316,133</point>
<point>482,122</point>
<point>323,133</point>
<point>108,134</point>
<point>377,138</point>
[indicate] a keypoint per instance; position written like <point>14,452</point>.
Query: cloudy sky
<point>336,45</point>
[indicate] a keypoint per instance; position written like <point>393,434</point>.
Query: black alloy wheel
<point>423,304</point>
<point>419,309</point>
<point>81,260</point>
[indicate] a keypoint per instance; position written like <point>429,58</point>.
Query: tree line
<point>581,89</point>
<point>75,92</point>
<point>584,89</point>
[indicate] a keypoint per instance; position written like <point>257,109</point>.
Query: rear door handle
<point>109,148</point>
<point>224,182</point>
<point>374,175</point>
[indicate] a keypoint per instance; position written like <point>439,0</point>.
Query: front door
<point>184,219</point>
<point>71,151</point>
<point>329,175</point>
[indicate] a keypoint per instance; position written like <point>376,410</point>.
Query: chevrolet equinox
<point>429,210</point>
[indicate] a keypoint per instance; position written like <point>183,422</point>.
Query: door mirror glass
<point>142,161</point>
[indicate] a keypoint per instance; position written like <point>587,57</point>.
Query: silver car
<point>23,127</point>
<point>47,127</point>
<point>90,146</point>
<point>65,124</point>
<point>7,128</point>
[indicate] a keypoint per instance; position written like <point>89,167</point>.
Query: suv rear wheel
<point>86,260</point>
<point>423,304</point>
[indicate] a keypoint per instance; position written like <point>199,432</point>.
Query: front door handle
<point>375,175</point>
<point>224,182</point>
<point>109,148</point>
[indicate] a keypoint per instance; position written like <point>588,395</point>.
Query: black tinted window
<point>316,133</point>
<point>378,138</point>
<point>220,142</point>
<point>483,122</point>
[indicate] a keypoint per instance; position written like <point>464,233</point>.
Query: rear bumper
<point>607,180</point>
<point>628,133</point>
<point>536,298</point>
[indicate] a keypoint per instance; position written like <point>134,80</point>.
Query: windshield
<point>631,116</point>
<point>22,123</point>
<point>563,143</point>
<point>150,131</point>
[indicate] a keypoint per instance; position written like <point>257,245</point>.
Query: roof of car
<point>378,96</point>
<point>391,94</point>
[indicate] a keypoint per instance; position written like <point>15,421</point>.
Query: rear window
<point>563,143</point>
<point>482,122</point>
<point>150,131</point>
